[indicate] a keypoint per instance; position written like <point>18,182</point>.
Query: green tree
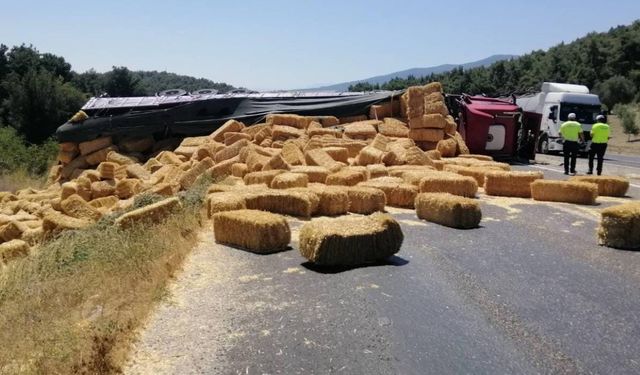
<point>121,82</point>
<point>628,117</point>
<point>616,90</point>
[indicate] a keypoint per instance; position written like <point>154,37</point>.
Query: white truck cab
<point>553,104</point>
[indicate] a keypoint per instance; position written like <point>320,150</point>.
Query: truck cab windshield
<point>585,114</point>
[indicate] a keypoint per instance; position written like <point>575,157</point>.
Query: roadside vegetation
<point>74,304</point>
<point>23,165</point>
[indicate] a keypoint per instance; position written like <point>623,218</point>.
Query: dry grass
<point>20,179</point>
<point>73,304</point>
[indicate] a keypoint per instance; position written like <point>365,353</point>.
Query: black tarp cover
<point>202,117</point>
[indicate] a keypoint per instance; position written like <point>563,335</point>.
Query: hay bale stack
<point>366,200</point>
<point>333,200</point>
<point>289,180</point>
<point>340,154</point>
<point>89,147</point>
<point>620,226</point>
<point>128,187</point>
<point>283,132</point>
<point>464,186</point>
<point>296,121</point>
<point>315,174</point>
<point>77,207</point>
<point>256,231</point>
<point>103,188</point>
<point>233,137</point>
<point>229,126</point>
<point>398,194</point>
<point>611,186</point>
<point>376,170</point>
<point>321,158</point>
<point>449,210</point>
<point>350,241</point>
<point>564,191</point>
<point>345,177</point>
<point>393,128</point>
<point>230,152</point>
<point>261,177</point>
<point>12,250</point>
<point>361,130</point>
<point>426,135</point>
<point>219,202</point>
<point>510,184</point>
<point>415,156</point>
<point>153,213</point>
<point>300,203</point>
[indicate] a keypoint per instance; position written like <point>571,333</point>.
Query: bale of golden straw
<point>464,186</point>
<point>257,231</point>
<point>398,194</point>
<point>261,177</point>
<point>152,213</point>
<point>376,170</point>
<point>77,207</point>
<point>449,210</point>
<point>510,184</point>
<point>350,241</point>
<point>333,200</point>
<point>620,226</point>
<point>564,191</point>
<point>346,177</point>
<point>300,203</point>
<point>12,250</point>
<point>289,180</point>
<point>611,186</point>
<point>366,200</point>
<point>218,202</point>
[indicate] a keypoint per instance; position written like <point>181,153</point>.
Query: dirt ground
<point>618,142</point>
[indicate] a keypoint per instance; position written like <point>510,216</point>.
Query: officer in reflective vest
<point>599,137</point>
<point>571,132</point>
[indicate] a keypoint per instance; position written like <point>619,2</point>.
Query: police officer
<point>571,132</point>
<point>599,138</point>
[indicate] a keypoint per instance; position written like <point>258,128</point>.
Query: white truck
<point>552,106</point>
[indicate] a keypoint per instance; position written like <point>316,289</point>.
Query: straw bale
<point>432,87</point>
<point>152,165</point>
<point>256,231</point>
<point>230,151</point>
<point>195,141</point>
<point>186,151</point>
<point>324,131</point>
<point>128,187</point>
<point>366,200</point>
<point>450,127</point>
<point>88,147</point>
<point>321,158</point>
<point>345,177</point>
<point>431,121</point>
<point>398,193</point>
<point>187,179</point>
<point>267,142</point>
<point>168,157</point>
<point>255,129</point>
<point>137,171</point>
<point>449,210</point>
<point>68,147</point>
<point>327,121</point>
<point>369,155</point>
<point>425,134</point>
<point>564,191</point>
<point>353,146</point>
<point>462,146</point>
<point>376,170</point>
<point>414,101</point>
<point>262,135</point>
<point>620,226</point>
<point>90,174</point>
<point>12,230</point>
<point>107,202</point>
<point>476,157</point>
<point>447,147</point>
<point>284,132</point>
<point>33,236</point>
<point>612,186</point>
<point>164,189</point>
<point>289,180</point>
<point>121,159</point>
<point>333,200</point>
<point>299,202</point>
<point>415,156</point>
<point>110,171</point>
<point>337,153</point>
<point>136,144</point>
<point>239,169</point>
<point>54,221</point>
<point>78,163</point>
<point>436,107</point>
<point>296,121</point>
<point>152,213</point>
<point>65,157</point>
<point>350,240</point>
<point>433,154</point>
<point>207,150</point>
<point>276,162</point>
<point>449,183</point>
<point>13,249</point>
<point>360,130</point>
<point>433,97</point>
<point>261,177</point>
<point>380,142</point>
<point>54,174</point>
<point>393,128</point>
<point>509,184</point>
<point>414,177</point>
<point>219,202</point>
<point>351,119</point>
<point>229,126</point>
<point>103,188</point>
<point>77,207</point>
<point>223,168</point>
<point>292,154</point>
<point>316,174</point>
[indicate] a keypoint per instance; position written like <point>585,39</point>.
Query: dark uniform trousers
<point>570,151</point>
<point>597,149</point>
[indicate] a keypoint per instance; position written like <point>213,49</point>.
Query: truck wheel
<point>543,145</point>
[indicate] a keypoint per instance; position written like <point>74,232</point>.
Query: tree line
<point>608,63</point>
<point>40,91</point>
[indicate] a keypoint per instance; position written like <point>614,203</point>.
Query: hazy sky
<point>297,44</point>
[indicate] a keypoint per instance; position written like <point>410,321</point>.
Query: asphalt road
<point>529,291</point>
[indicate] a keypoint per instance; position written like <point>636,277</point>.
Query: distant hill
<point>416,72</point>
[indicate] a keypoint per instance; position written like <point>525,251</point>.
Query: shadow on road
<point>392,261</point>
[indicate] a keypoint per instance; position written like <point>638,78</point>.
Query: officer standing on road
<point>599,138</point>
<point>571,132</point>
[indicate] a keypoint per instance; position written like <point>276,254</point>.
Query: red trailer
<point>494,127</point>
